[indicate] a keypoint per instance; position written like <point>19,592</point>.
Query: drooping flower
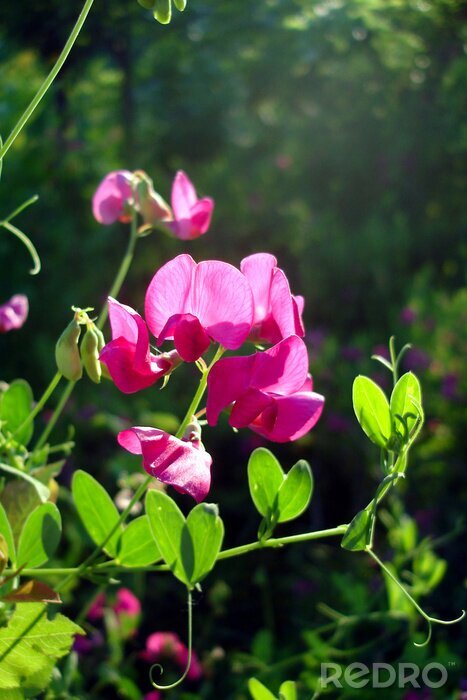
<point>278,313</point>
<point>13,313</point>
<point>169,645</point>
<point>271,392</point>
<point>111,199</point>
<point>127,356</point>
<point>192,216</point>
<point>195,303</point>
<point>183,464</point>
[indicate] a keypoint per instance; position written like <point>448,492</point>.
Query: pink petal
<point>13,313</point>
<point>227,380</point>
<point>283,368</point>
<point>184,465</point>
<point>168,292</point>
<point>248,407</point>
<point>298,304</point>
<point>190,338</point>
<point>201,214</point>
<point>290,418</point>
<point>110,197</point>
<point>282,307</point>
<point>183,195</point>
<point>222,300</point>
<point>258,270</point>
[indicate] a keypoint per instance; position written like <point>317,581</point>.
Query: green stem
<point>190,646</point>
<point>48,81</point>
<point>55,415</point>
<point>41,403</point>
<point>392,352</point>
<point>22,207</point>
<point>27,243</point>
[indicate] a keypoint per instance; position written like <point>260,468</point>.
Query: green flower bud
<point>90,353</point>
<point>162,10</point>
<point>67,353</point>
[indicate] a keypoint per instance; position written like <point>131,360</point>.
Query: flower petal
<point>227,380</point>
<point>290,418</point>
<point>13,313</point>
<point>248,407</point>
<point>201,214</point>
<point>110,197</point>
<point>184,465</point>
<point>168,292</point>
<point>283,368</point>
<point>183,195</point>
<point>258,269</point>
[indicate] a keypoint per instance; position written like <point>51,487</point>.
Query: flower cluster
<point>193,305</point>
<point>122,192</point>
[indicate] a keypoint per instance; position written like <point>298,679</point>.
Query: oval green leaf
<point>372,410</point>
<point>295,492</point>
<point>407,388</point>
<point>96,510</point>
<point>167,525</point>
<point>356,535</point>
<point>15,407</point>
<point>137,544</point>
<point>40,536</point>
<point>206,532</point>
<point>6,531</point>
<point>288,691</point>
<point>265,477</point>
<point>259,691</point>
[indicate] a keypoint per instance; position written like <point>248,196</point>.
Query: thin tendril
<point>27,242</point>
<point>188,663</point>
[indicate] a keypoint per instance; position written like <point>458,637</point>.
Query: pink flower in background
<point>196,303</point>
<point>192,216</point>
<point>110,201</point>
<point>153,695</point>
<point>183,464</point>
<point>271,392</point>
<point>127,603</point>
<point>169,645</point>
<point>127,356</point>
<point>277,313</point>
<point>13,313</point>
<point>96,611</point>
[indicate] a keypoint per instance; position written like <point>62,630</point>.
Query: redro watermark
<point>382,675</point>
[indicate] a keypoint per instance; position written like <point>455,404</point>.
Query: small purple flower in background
<point>417,360</point>
<point>351,353</point>
<point>13,313</point>
<point>338,423</point>
<point>450,386</point>
<point>86,645</point>
<point>96,611</point>
<point>408,316</point>
<point>153,695</point>
<point>283,161</point>
<point>382,350</point>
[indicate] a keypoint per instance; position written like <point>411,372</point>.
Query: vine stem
<point>41,403</point>
<point>190,647</point>
<point>55,415</point>
<point>22,121</point>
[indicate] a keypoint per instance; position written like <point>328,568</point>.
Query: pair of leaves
<point>380,418</point>
<point>188,546</point>
<point>287,691</point>
<point>30,645</point>
<point>132,546</point>
<point>15,406</point>
<point>278,497</point>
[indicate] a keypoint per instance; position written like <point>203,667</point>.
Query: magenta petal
<point>258,270</point>
<point>183,195</point>
<point>201,214</point>
<point>293,417</point>
<point>111,195</point>
<point>184,465</point>
<point>168,292</point>
<point>190,338</point>
<point>227,380</point>
<point>283,368</point>
<point>248,407</point>
<point>221,299</point>
<point>120,358</point>
<point>282,307</point>
<point>13,313</point>
<point>298,305</point>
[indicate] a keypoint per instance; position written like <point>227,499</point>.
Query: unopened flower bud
<point>162,10</point>
<point>152,207</point>
<point>67,353</point>
<point>90,353</point>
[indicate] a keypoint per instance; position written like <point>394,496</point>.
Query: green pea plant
<point>33,635</point>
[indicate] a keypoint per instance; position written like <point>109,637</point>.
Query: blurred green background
<point>332,134</point>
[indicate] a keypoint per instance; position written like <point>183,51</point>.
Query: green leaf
<point>372,410</point>
<point>6,532</point>
<point>29,646</point>
<point>295,491</point>
<point>356,535</point>
<point>97,511</point>
<point>15,407</point>
<point>206,532</point>
<point>288,691</point>
<point>265,477</point>
<point>407,388</point>
<point>167,524</point>
<point>43,491</point>
<point>162,11</point>
<point>259,691</point>
<point>137,544</point>
<point>180,5</point>
<point>40,536</point>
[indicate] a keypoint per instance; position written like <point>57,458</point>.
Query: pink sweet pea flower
<point>153,695</point>
<point>169,645</point>
<point>271,392</point>
<point>127,603</point>
<point>96,611</point>
<point>192,216</point>
<point>196,303</point>
<point>127,356</point>
<point>183,464</point>
<point>13,313</point>
<point>111,199</point>
<point>278,314</point>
